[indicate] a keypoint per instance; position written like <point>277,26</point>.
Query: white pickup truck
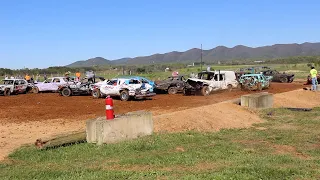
<point>123,88</point>
<point>208,81</point>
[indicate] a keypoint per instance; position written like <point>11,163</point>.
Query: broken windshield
<point>7,82</point>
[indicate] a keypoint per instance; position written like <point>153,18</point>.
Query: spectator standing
<point>27,78</point>
<point>313,73</point>
<point>78,75</point>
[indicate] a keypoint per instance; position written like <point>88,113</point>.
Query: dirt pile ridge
<point>206,118</point>
<point>297,99</point>
<point>13,135</point>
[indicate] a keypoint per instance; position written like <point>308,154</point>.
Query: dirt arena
<point>27,117</point>
<point>46,106</point>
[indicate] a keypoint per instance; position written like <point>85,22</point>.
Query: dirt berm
<point>228,115</point>
<point>297,99</point>
<point>206,118</point>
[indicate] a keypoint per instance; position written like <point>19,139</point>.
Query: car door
<point>24,85</point>
<point>17,86</point>
<point>151,85</point>
<point>110,88</point>
<point>55,84</point>
<point>222,81</point>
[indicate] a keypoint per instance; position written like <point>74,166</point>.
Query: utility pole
<point>201,58</point>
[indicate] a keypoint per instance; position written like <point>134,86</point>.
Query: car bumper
<point>145,95</point>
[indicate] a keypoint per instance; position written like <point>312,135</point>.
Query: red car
<point>309,81</point>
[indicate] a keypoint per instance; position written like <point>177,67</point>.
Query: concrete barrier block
<point>318,88</point>
<point>129,126</point>
<point>258,100</point>
<point>91,131</point>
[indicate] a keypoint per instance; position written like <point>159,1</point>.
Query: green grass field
<point>285,146</point>
<point>301,71</point>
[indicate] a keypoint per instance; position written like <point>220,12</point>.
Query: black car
<point>279,77</point>
<point>172,85</point>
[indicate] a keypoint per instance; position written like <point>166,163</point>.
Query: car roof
<point>252,75</point>
<point>57,77</point>
<point>125,78</point>
<point>11,79</point>
<point>130,77</point>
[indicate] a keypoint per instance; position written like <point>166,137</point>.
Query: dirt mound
<point>206,118</point>
<point>14,135</point>
<point>297,99</point>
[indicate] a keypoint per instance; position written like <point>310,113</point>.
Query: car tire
<point>66,92</point>
<point>35,90</point>
<point>7,92</point>
<point>205,91</point>
<point>230,87</point>
<point>185,92</point>
<point>283,79</point>
<point>259,86</point>
<point>96,93</point>
<point>124,95</point>
<point>291,80</point>
<point>172,90</point>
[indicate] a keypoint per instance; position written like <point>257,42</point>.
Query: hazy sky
<point>42,33</point>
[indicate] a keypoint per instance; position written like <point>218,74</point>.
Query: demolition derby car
<point>14,86</point>
<point>50,85</point>
<point>84,87</point>
<point>143,80</point>
<point>172,85</point>
<point>309,80</point>
<point>123,88</point>
<point>209,81</point>
<point>278,77</point>
<point>255,82</point>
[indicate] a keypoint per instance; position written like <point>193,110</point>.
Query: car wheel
<point>205,91</point>
<point>35,90</point>
<point>172,90</point>
<point>259,86</point>
<point>66,92</point>
<point>185,92</point>
<point>124,95</point>
<point>229,87</point>
<point>96,93</point>
<point>7,92</point>
<point>283,80</point>
<point>291,80</point>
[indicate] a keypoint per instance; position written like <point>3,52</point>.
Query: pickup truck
<point>209,81</point>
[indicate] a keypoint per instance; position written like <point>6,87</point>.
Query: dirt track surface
<point>25,118</point>
<point>46,106</point>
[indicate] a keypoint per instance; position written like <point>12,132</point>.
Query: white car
<point>51,84</point>
<point>14,86</point>
<point>208,81</point>
<point>122,87</point>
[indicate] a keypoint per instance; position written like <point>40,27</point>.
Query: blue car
<point>143,80</point>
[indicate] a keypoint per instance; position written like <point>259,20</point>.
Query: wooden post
<point>62,140</point>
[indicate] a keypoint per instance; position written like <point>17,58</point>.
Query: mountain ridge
<point>219,53</point>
